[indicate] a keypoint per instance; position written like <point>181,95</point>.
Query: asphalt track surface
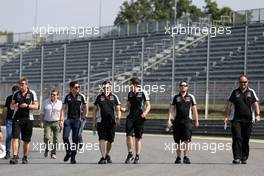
<point>156,159</point>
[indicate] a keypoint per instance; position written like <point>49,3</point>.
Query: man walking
<point>50,114</point>
<point>107,110</point>
<point>183,105</point>
<point>74,107</point>
<point>8,115</point>
<point>138,104</point>
<point>23,103</point>
<point>242,108</point>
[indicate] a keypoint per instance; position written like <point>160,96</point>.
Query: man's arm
<point>41,117</point>
<point>94,116</point>
<point>257,110</point>
<point>147,109</point>
<point>170,113</point>
<point>227,110</point>
<point>63,110</point>
<point>196,118</point>
<point>126,108</point>
<point>118,113</point>
<point>84,110</point>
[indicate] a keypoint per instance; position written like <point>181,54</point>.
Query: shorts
<point>106,132</point>
<point>135,126</point>
<point>182,131</point>
<point>25,127</point>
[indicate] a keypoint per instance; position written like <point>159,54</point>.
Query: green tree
<point>135,11</point>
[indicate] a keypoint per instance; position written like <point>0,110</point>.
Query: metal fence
<point>217,90</point>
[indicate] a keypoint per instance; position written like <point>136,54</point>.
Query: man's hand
<point>94,125</point>
<point>61,124</point>
<point>41,125</point>
<point>225,120</point>
<point>23,105</point>
<point>258,118</point>
<point>144,114</point>
<point>1,137</point>
<point>169,124</point>
<point>196,123</point>
<point>118,122</point>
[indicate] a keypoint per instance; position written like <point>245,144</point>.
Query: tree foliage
<point>135,11</point>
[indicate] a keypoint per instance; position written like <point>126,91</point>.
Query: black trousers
<point>241,132</point>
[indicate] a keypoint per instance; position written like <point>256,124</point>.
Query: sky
<point>19,15</point>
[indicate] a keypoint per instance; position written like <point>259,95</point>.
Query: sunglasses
<point>243,82</point>
<point>77,87</point>
<point>183,85</point>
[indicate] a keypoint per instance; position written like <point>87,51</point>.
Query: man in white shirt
<point>50,114</point>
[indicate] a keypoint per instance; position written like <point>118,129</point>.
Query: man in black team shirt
<point>242,109</point>
<point>23,103</point>
<point>74,107</point>
<point>183,105</point>
<point>107,110</point>
<point>8,114</point>
<point>138,104</point>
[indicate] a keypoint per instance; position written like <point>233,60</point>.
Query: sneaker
<point>7,156</point>
<point>243,161</point>
<point>67,157</point>
<point>73,161</point>
<point>53,156</point>
<point>236,161</point>
<point>136,159</point>
<point>102,161</point>
<point>186,160</point>
<point>24,160</point>
<point>108,159</point>
<point>129,158</point>
<point>46,153</point>
<point>178,160</point>
<point>14,160</point>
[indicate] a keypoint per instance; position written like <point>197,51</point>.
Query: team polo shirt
<point>7,105</point>
<point>106,107</point>
<point>51,110</point>
<point>137,102</point>
<point>29,98</point>
<point>243,104</point>
<point>183,106</point>
<point>74,105</point>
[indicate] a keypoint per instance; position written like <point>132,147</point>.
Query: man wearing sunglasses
<point>138,105</point>
<point>106,115</point>
<point>243,110</point>
<point>50,119</point>
<point>74,107</point>
<point>183,106</point>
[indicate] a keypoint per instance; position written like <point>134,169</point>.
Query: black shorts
<point>106,132</point>
<point>25,127</point>
<point>135,125</point>
<point>182,131</point>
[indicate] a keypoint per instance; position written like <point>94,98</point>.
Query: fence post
<point>41,75</point>
<point>113,63</point>
<point>207,72</point>
<point>64,70</point>
<point>142,61</point>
